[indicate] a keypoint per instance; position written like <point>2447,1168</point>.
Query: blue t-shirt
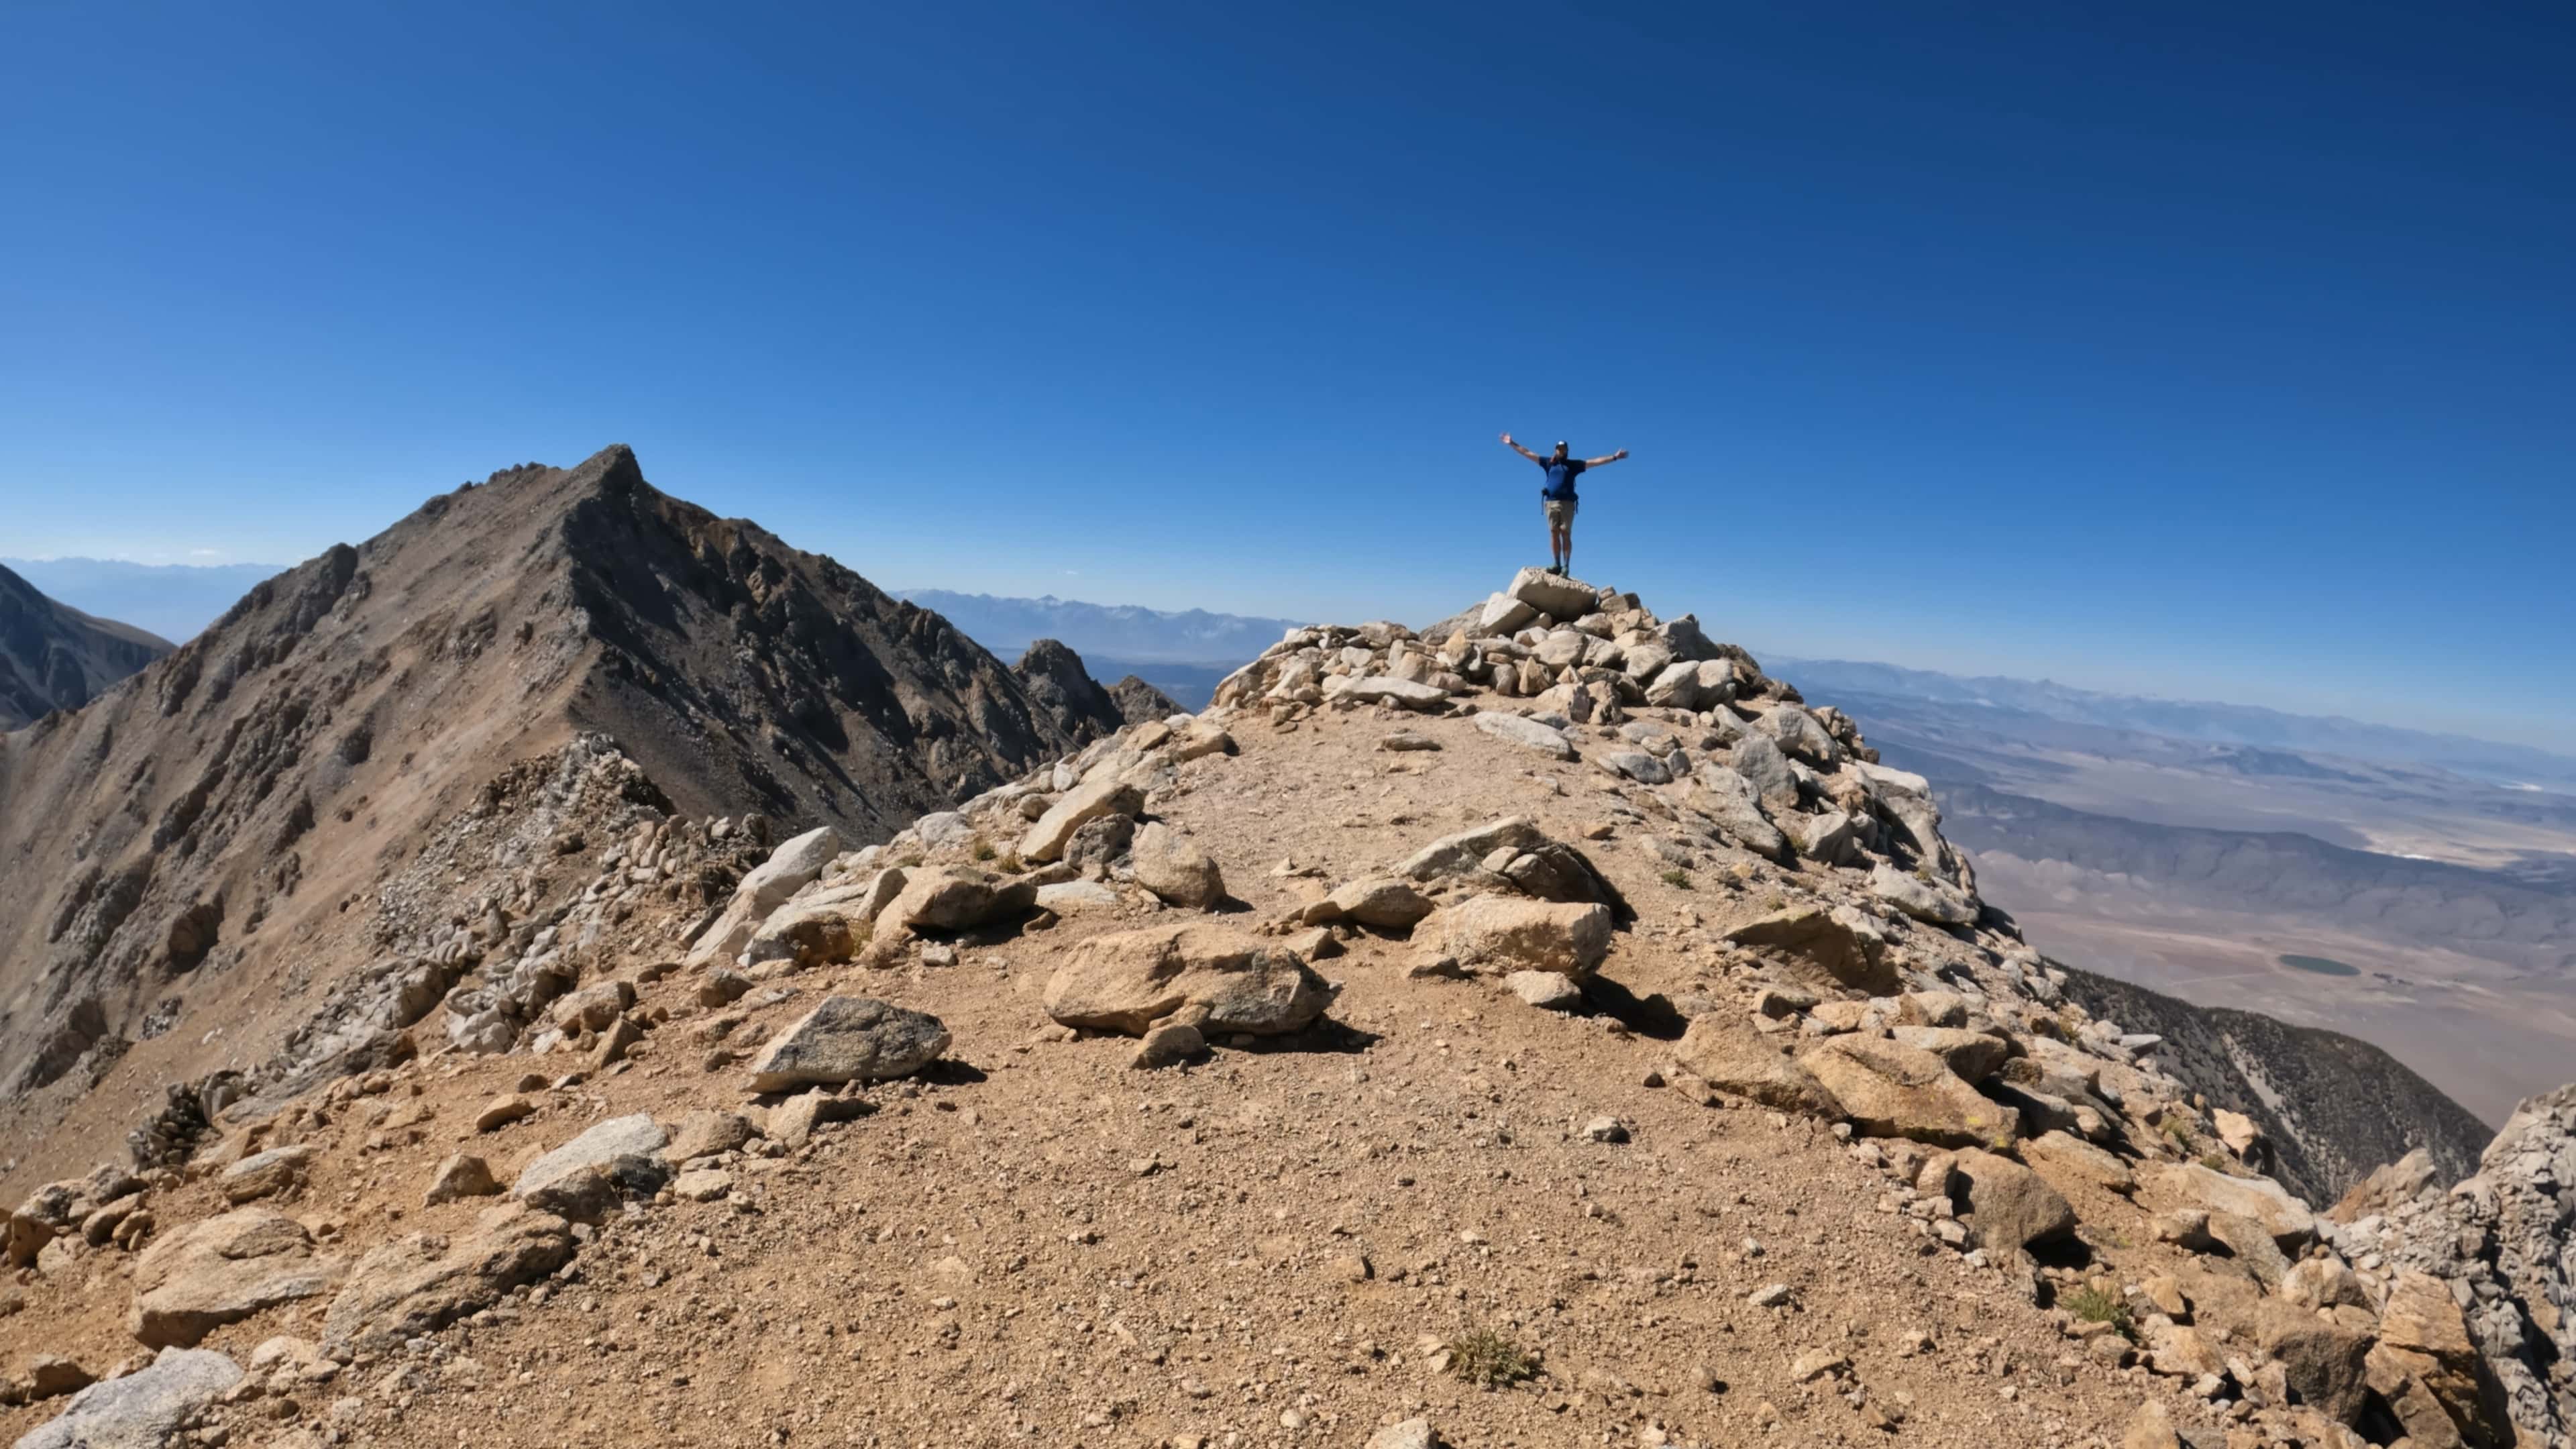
<point>1560,479</point>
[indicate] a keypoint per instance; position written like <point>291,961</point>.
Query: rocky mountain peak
<point>1550,1028</point>
<point>225,828</point>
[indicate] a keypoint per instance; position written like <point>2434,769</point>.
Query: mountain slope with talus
<point>244,819</point>
<point>1555,1031</point>
<point>54,657</point>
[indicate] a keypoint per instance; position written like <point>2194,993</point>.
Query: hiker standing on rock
<point>1557,497</point>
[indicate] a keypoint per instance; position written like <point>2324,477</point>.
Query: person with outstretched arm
<point>1556,496</point>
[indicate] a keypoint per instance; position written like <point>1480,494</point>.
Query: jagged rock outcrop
<point>1069,697</point>
<point>1139,701</point>
<point>54,657</point>
<point>2502,1241</point>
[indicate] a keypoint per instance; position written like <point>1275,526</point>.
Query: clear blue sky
<point>2213,350</point>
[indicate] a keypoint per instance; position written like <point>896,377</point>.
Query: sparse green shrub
<point>1678,878</point>
<point>1487,1359</point>
<point>984,849</point>
<point>2094,1305</point>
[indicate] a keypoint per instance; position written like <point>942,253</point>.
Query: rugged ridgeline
<point>2333,1106</point>
<point>53,656</point>
<point>1549,1031</point>
<point>291,835</point>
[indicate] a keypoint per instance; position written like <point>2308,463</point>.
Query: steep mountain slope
<point>53,656</point>
<point>199,860</point>
<point>2334,1107</point>
<point>1554,1033</point>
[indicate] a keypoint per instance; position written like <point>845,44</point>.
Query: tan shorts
<point>1560,511</point>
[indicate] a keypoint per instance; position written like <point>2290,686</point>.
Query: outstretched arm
<point>1524,452</point>
<point>1602,462</point>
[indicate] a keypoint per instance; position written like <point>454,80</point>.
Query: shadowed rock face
<point>53,656</point>
<point>1060,688</point>
<point>243,802</point>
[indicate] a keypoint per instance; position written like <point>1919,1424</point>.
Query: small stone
<point>1168,1045</point>
<point>1817,1363</point>
<point>462,1175</point>
<point>705,1184</point>
<point>1771,1295</point>
<point>500,1112</point>
<point>1549,990</point>
<point>1606,1129</point>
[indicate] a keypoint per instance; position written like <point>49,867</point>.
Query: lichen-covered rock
<point>848,1039</point>
<point>582,1179</point>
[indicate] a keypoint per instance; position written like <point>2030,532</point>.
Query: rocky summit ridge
<point>1551,1029</point>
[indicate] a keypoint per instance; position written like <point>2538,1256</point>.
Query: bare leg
<point>1560,545</point>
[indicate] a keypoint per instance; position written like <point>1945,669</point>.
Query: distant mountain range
<point>1193,636</point>
<point>2231,724</point>
<point>175,601</point>
<point>1182,654</point>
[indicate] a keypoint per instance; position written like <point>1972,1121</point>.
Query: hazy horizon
<point>2553,744</point>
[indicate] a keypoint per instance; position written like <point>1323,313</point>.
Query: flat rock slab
<point>1529,734</point>
<point>1386,689</point>
<point>1466,851</point>
<point>956,899</point>
<point>419,1283</point>
<point>223,1270</point>
<point>1079,806</point>
<point>143,1410</point>
<point>1554,595</point>
<point>2286,1218</point>
<point>266,1174</point>
<point>1735,1059</point>
<point>1070,897</point>
<point>848,1039</point>
<point>1889,1089</point>
<point>1497,935</point>
<point>1218,979</point>
<point>585,1177</point>
<point>1840,946</point>
<point>1385,902</point>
